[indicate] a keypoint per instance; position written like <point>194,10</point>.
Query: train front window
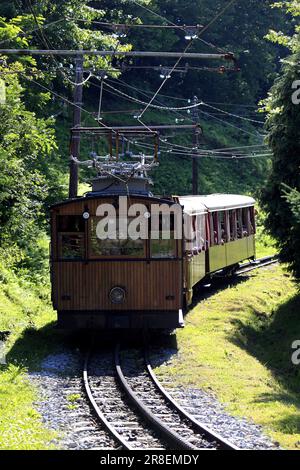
<point>163,248</point>
<point>70,230</point>
<point>116,245</point>
<point>71,245</point>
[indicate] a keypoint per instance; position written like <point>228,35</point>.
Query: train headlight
<point>117,295</point>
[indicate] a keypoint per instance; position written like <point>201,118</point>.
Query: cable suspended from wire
<point>201,103</point>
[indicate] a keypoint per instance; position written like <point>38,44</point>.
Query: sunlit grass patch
<point>237,343</point>
<point>26,314</point>
<point>20,424</point>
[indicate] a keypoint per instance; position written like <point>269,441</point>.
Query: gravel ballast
<point>63,406</point>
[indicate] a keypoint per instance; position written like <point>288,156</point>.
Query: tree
<point>281,198</point>
<point>25,142</point>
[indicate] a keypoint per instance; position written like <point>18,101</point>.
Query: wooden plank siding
<point>150,284</point>
<point>154,285</point>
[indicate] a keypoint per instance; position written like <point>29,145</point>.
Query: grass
<point>237,344</point>
<point>265,246</point>
<point>20,424</point>
<point>26,313</point>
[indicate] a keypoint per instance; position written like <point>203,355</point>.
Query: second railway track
<point>256,264</point>
<point>135,409</point>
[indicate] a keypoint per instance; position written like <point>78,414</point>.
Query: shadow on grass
<point>205,290</point>
<point>34,345</point>
<point>269,339</point>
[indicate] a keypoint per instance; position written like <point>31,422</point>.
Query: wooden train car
<point>142,282</point>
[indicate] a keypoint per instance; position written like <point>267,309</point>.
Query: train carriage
<point>144,282</point>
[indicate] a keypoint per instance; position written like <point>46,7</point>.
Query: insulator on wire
<point>191,32</point>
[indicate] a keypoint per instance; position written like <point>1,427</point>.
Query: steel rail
<point>97,410</point>
<point>176,441</point>
<point>259,263</point>
<point>201,428</point>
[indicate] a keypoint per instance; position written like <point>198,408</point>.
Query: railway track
<point>256,264</point>
<point>136,410</point>
<point>133,407</point>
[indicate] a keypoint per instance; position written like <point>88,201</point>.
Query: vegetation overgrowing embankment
<point>26,314</point>
<point>237,344</point>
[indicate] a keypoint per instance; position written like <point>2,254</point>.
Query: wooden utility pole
<point>195,168</point>
<point>75,137</point>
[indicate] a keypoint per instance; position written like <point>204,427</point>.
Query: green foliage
<point>26,142</point>
<point>280,198</point>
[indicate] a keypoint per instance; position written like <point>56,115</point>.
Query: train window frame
<point>222,232</point>
<point>66,218</point>
<point>239,223</point>
<point>227,224</point>
<point>252,221</point>
<point>233,225</point>
<point>162,240</point>
<point>246,221</point>
<point>171,231</point>
<point>81,234</point>
<point>92,256</point>
<point>61,245</point>
<point>214,228</point>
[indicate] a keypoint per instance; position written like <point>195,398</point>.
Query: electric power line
<point>201,103</point>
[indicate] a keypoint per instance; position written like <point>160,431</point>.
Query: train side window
<point>211,230</point>
<point>214,230</point>
<point>222,228</point>
<point>201,232</point>
<point>252,226</point>
<point>227,225</point>
<point>239,223</point>
<point>233,225</point>
<point>114,247</point>
<point>71,245</point>
<point>246,221</point>
<point>71,236</point>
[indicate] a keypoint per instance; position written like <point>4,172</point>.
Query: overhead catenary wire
<point>220,120</point>
<point>185,50</point>
<point>164,108</point>
<point>183,154</point>
<point>146,94</point>
<point>203,29</point>
<point>134,25</point>
<point>185,108</point>
<point>227,151</point>
<point>49,45</point>
<point>177,98</point>
<point>231,114</point>
<point>165,79</point>
<point>208,155</point>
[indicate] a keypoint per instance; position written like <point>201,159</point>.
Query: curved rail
<point>170,436</point>
<point>98,412</point>
<point>259,263</point>
<point>209,435</point>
